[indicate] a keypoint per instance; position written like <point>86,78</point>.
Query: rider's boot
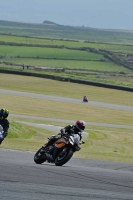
<point>50,141</point>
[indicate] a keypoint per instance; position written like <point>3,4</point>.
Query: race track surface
<point>79,179</point>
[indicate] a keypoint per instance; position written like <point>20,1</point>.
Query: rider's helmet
<point>4,113</point>
<point>80,125</point>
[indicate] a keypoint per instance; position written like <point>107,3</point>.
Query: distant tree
<point>48,22</point>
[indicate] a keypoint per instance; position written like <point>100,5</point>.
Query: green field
<point>126,49</point>
<point>68,64</point>
<point>90,64</point>
<point>56,31</point>
<point>50,53</point>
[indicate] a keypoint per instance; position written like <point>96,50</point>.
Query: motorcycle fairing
<point>60,143</point>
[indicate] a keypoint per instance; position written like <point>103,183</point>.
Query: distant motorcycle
<point>85,99</point>
<point>66,145</point>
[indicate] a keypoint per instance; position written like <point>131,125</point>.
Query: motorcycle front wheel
<point>39,157</point>
<point>61,159</point>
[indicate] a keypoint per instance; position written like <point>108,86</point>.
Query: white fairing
<point>76,138</point>
<point>1,132</point>
<point>72,138</point>
<point>1,135</point>
<point>1,128</point>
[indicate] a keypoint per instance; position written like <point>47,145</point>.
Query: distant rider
<point>85,98</point>
<point>4,124</point>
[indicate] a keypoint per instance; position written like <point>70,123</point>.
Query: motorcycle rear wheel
<point>61,160</point>
<point>39,157</point>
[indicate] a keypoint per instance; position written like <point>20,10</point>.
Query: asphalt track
<point>79,179</point>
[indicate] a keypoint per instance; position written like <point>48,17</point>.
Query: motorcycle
<point>64,147</point>
<point>85,99</point>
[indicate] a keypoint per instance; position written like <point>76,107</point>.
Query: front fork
<point>57,150</point>
<point>64,151</point>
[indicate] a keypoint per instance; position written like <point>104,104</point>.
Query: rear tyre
<point>61,159</point>
<point>40,157</point>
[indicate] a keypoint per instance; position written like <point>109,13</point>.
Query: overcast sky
<point>109,14</point>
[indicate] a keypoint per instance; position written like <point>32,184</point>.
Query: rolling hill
<point>49,29</point>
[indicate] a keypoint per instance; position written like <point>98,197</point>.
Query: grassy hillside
<point>53,30</point>
<point>68,58</point>
<point>82,60</point>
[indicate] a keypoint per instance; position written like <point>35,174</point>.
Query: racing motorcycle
<point>60,151</point>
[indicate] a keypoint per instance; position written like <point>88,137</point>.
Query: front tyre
<point>40,157</point>
<point>61,159</point>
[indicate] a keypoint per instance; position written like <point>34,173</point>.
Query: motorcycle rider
<point>68,130</point>
<point>4,123</point>
<point>85,98</point>
<point>74,129</point>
